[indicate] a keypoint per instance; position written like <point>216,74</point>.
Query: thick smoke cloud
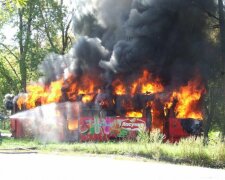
<point>167,37</point>
<point>83,56</point>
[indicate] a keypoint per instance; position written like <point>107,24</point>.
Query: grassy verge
<point>4,131</point>
<point>188,151</point>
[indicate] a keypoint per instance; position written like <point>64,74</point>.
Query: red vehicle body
<point>95,125</point>
<point>91,122</point>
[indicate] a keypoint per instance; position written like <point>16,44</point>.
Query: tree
<point>214,105</point>
<point>59,27</point>
<point>43,27</point>
<point>222,61</point>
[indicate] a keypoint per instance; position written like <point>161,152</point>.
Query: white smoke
<point>48,122</point>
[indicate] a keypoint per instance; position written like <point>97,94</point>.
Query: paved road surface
<point>59,167</point>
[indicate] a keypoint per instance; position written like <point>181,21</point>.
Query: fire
<point>54,92</point>
<point>188,98</point>
<point>136,114</point>
<point>72,125</point>
<point>86,87</point>
<point>134,88</point>
<point>87,98</point>
<point>119,87</point>
<point>21,100</point>
<point>40,94</point>
<point>148,85</point>
<point>145,84</point>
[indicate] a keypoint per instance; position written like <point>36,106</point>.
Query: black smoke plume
<point>167,37</point>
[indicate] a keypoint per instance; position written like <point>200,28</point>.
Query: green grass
<point>189,151</point>
<point>7,143</point>
<point>4,131</point>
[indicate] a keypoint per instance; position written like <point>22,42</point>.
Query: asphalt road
<point>63,167</point>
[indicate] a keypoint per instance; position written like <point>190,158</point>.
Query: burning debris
<point>137,59</point>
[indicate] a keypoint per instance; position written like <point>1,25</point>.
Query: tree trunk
<point>222,33</point>
<point>64,30</point>
<point>22,65</point>
<point>222,46</point>
<point>209,110</point>
<point>24,40</point>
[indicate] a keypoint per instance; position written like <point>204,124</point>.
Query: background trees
<point>36,27</point>
<point>40,27</point>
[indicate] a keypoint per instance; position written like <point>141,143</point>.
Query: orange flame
<point>149,86</point>
<point>144,84</point>
<point>21,101</point>
<point>54,92</point>
<point>72,125</point>
<point>188,100</point>
<point>136,114</point>
<point>119,87</point>
<point>38,93</point>
<point>85,87</point>
<point>87,98</point>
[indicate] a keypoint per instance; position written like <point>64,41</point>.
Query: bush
<point>5,124</point>
<point>143,136</point>
<point>154,136</point>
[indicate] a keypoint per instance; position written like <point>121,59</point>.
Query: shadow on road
<point>15,152</point>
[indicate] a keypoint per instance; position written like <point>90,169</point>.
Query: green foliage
<point>143,136</point>
<point>18,3</point>
<point>5,126</point>
<point>41,25</point>
<point>155,136</point>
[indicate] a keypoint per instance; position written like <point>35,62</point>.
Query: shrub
<point>155,136</point>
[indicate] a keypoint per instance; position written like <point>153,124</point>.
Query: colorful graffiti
<point>98,128</point>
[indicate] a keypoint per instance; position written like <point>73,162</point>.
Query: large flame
<point>41,94</point>
<point>145,84</point>
<point>87,86</point>
<point>188,99</point>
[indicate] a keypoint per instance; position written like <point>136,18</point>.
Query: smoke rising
<point>83,56</point>
<point>167,37</point>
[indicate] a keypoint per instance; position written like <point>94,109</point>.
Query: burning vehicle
<point>139,66</point>
<point>86,113</point>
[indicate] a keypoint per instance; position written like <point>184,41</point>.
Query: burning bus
<point>135,65</point>
<point>81,111</point>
